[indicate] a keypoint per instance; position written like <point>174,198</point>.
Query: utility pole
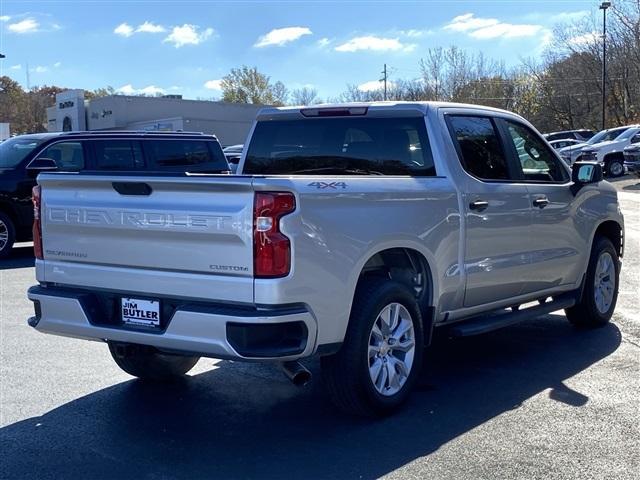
<point>384,79</point>
<point>28,80</point>
<point>603,7</point>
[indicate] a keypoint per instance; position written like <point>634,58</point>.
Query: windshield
<point>606,135</point>
<point>14,150</point>
<point>628,134</point>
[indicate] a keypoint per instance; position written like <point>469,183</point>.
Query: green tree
<point>248,85</point>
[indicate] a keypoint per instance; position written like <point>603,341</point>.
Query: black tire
<point>7,234</point>
<point>346,373</point>
<point>586,314</point>
<point>615,168</point>
<point>148,363</point>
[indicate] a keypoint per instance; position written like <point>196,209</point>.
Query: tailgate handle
<point>132,188</point>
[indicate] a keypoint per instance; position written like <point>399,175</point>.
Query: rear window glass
<point>69,156</point>
<point>117,155</point>
<point>185,155</point>
<point>387,146</point>
<point>479,146</point>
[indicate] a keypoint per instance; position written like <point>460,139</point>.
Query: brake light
<point>37,224</point>
<point>334,112</point>
<point>271,248</point>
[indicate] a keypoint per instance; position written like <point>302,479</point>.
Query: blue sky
<point>187,46</point>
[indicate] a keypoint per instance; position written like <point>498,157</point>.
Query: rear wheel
<point>148,363</point>
<point>7,234</point>
<point>380,359</point>
<point>600,291</point>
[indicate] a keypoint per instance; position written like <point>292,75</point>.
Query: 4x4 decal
<point>324,185</point>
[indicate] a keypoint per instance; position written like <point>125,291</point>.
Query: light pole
<point>603,7</point>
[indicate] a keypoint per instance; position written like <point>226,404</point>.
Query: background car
<point>565,142</point>
<point>632,158</point>
<point>581,134</point>
<point>610,153</point>
<point>92,151</point>
<point>572,153</point>
<point>233,153</point>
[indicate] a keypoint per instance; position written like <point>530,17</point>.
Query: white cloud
<point>57,64</point>
<point>128,89</point>
<point>124,30</point>
<point>4,18</point>
<point>150,27</point>
<point>373,86</point>
<point>39,69</point>
<point>506,30</point>
<point>466,22</point>
<point>280,36</point>
<point>213,84</point>
<point>323,42</point>
<point>188,34</point>
<point>486,28</point>
<point>15,67</point>
<point>414,33</point>
<point>569,16</point>
<point>28,25</point>
<point>374,43</point>
<point>585,39</point>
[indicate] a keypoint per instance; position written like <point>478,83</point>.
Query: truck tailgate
<point>179,236</point>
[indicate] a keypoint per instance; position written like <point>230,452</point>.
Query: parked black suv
<point>92,151</point>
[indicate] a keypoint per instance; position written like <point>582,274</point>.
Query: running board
<point>488,323</point>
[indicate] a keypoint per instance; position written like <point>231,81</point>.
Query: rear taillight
<point>37,225</point>
<point>271,248</point>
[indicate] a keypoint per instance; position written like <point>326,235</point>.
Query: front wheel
<point>380,359</point>
<point>615,168</point>
<point>600,291</point>
<point>148,363</point>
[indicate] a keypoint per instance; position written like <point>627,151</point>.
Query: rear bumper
<point>286,333</point>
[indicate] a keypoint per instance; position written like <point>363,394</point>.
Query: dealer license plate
<point>140,312</point>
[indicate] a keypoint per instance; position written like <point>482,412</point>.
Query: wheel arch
<point>409,265</point>
<point>612,230</point>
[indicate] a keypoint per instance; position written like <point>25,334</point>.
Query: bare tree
<point>305,96</point>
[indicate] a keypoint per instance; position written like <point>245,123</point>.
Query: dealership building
<point>230,122</point>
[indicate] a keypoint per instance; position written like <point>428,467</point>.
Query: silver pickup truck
<point>351,232</point>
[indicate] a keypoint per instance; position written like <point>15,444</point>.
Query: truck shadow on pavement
<point>19,257</point>
<point>246,421</point>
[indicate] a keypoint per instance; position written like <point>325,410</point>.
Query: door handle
<point>478,205</point>
<point>132,188</point>
<point>541,202</point>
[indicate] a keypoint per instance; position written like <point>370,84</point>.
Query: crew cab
<point>610,153</point>
<point>351,232</point>
<point>24,156</point>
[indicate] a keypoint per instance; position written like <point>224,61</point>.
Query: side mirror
<point>583,173</point>
<point>42,164</point>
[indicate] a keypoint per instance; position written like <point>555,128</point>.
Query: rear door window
<point>69,156</point>
<point>479,147</point>
<point>341,146</point>
<point>184,155</point>
<point>123,155</point>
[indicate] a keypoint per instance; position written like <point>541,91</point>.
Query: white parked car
<point>610,153</point>
<point>572,153</point>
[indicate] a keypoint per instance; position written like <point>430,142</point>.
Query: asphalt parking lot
<point>537,400</point>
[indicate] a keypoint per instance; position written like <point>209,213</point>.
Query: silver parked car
<point>354,231</point>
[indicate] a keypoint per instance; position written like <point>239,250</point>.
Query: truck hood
<point>573,147</point>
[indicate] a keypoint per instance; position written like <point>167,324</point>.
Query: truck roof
<point>393,105</point>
